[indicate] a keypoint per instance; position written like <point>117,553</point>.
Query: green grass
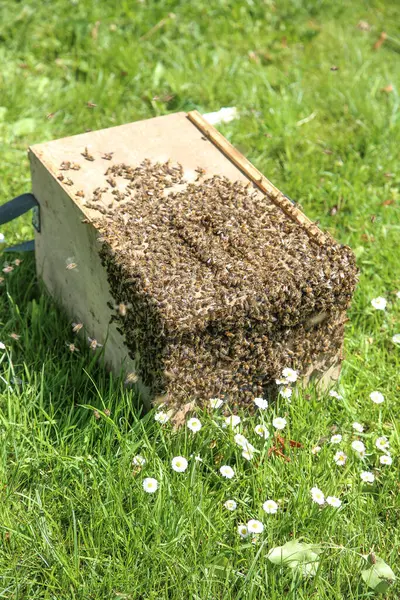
<point>75,522</point>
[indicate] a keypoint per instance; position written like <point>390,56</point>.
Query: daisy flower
<point>232,421</point>
<point>161,417</point>
<point>336,439</point>
<point>377,397</point>
<point>317,495</point>
<point>150,485</point>
<point>379,303</point>
<point>261,430</point>
<point>194,425</point>
<point>227,471</point>
<point>340,458</point>
<point>243,531</point>
<point>286,392</point>
<point>385,459</point>
<point>279,423</point>
<point>230,505</point>
<point>396,338</point>
<point>254,526</point>
<point>261,403</point>
<point>248,454</point>
<point>138,460</point>
<point>240,440</point>
<point>333,501</point>
<point>290,375</point>
<point>316,449</point>
<point>367,477</point>
<point>270,507</point>
<point>334,394</point>
<point>179,464</point>
<point>358,427</point>
<point>2,346</point>
<point>216,402</point>
<point>359,447</point>
<point>382,443</point>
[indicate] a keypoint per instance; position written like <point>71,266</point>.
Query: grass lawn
<point>320,117</point>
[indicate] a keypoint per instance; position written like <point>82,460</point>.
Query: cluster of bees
<point>215,288</point>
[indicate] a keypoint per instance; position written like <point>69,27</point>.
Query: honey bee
<point>94,344</point>
<point>69,181</point>
<point>80,194</point>
<point>131,378</point>
<point>70,264</point>
<point>76,327</point>
<point>60,177</point>
<point>75,166</point>
<point>111,181</point>
<point>107,155</point>
<point>86,155</point>
<point>65,165</point>
<point>122,308</point>
<point>72,347</point>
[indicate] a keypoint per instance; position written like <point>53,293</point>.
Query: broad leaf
<point>378,575</point>
<point>296,555</point>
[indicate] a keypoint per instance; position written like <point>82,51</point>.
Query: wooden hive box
<point>197,285</point>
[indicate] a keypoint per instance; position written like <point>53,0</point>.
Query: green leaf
<point>378,575</point>
<point>296,555</point>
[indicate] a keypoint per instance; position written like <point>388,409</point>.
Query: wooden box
<point>65,173</point>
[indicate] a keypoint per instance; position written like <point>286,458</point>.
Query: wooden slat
<point>256,176</point>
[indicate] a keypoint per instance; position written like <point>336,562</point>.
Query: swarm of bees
<point>214,287</point>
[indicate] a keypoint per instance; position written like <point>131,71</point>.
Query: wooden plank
<point>256,176</point>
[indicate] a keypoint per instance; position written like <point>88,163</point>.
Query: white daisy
<point>382,443</point>
<point>396,338</point>
<point>270,507</point>
<point>161,417</point>
<point>150,485</point>
<point>2,346</point>
<point>280,381</point>
<point>242,531</point>
<point>379,303</point>
<point>248,454</point>
<point>261,430</point>
<point>138,460</point>
<point>2,238</point>
<point>317,495</point>
<point>377,397</point>
<point>385,459</point>
<point>254,526</point>
<point>367,477</point>
<point>216,402</point>
<point>232,421</point>
<point>227,471</point>
<point>179,464</point>
<point>261,403</point>
<point>358,427</point>
<point>290,375</point>
<point>193,424</point>
<point>240,440</point>
<point>230,505</point>
<point>286,392</point>
<point>340,458</point>
<point>336,439</point>
<point>334,394</point>
<point>359,447</point>
<point>316,449</point>
<point>333,501</point>
<point>279,423</point>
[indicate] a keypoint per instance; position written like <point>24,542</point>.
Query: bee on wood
<point>112,182</point>
<point>107,155</point>
<point>86,155</point>
<point>76,327</point>
<point>69,181</point>
<point>94,344</point>
<point>80,194</point>
<point>60,177</point>
<point>70,263</point>
<point>75,167</point>
<point>65,165</point>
